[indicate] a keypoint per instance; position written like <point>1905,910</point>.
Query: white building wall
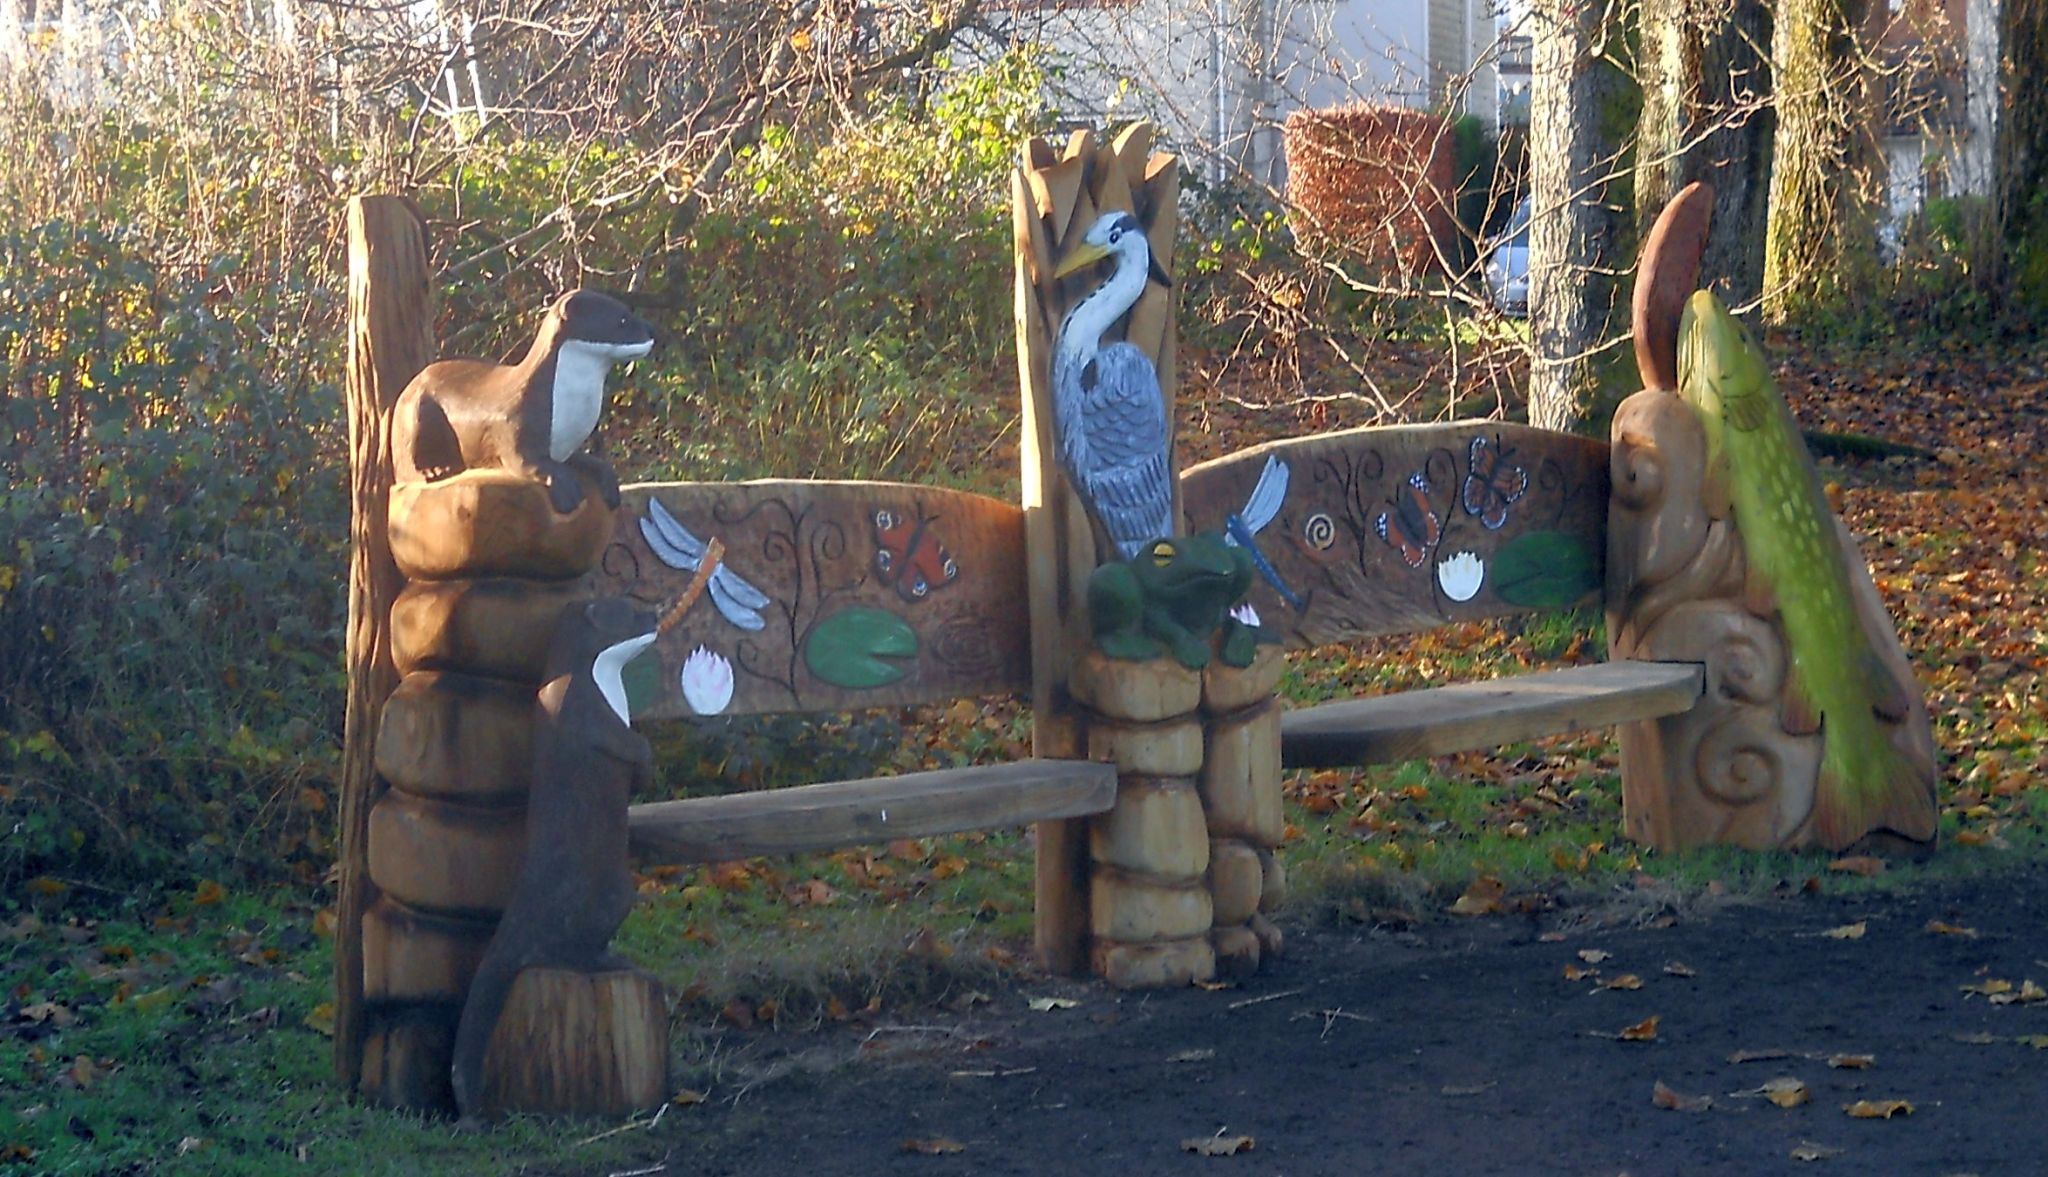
<point>1220,76</point>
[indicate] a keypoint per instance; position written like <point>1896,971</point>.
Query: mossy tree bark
<point>1583,104</point>
<point>2017,262</point>
<point>1707,117</point>
<point>1821,241</point>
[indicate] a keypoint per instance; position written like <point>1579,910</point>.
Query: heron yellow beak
<point>1084,254</point>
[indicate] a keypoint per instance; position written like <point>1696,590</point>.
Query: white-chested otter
<point>574,886</point>
<point>531,417</point>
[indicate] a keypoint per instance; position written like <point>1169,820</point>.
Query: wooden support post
<point>1057,195</point>
<point>390,339</point>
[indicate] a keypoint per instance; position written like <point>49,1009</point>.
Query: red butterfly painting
<point>1491,484</point>
<point>1411,527</point>
<point>909,558</point>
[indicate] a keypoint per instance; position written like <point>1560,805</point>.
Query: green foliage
<point>846,313</point>
<point>168,604</point>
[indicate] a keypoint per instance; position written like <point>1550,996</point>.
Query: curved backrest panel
<point>1386,530</point>
<point>829,596</point>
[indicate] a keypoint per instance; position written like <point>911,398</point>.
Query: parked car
<point>1507,263</point>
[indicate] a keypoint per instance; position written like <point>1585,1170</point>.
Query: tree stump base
<point>579,1044</point>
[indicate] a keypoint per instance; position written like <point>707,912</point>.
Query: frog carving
<point>1175,597</point>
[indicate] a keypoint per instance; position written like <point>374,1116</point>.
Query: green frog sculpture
<point>1175,596</point>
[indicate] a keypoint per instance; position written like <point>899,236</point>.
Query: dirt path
<point>1463,1049</point>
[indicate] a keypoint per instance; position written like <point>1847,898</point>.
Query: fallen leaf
<point>1809,1151</point>
<point>1851,1062</point>
<point>1858,864</point>
<point>1663,1097</point>
<point>1878,1109</point>
<point>1758,1056</point>
<point>45,885</point>
<point>1045,1004</point>
<point>320,1020</point>
<point>1786,1092</point>
<point>1939,928</point>
<point>1214,986</point>
<point>48,1011</point>
<point>1595,955</point>
<point>1991,988</point>
<point>2037,1041</point>
<point>1643,1031</point>
<point>1678,968</point>
<point>2028,994</point>
<point>191,1144</point>
<point>85,1072</point>
<point>1624,981</point>
<point>1218,1146</point>
<point>1977,1039</point>
<point>1848,931</point>
<point>208,893</point>
<point>1483,897</point>
<point>1200,1055</point>
<point>924,944</point>
<point>934,1147</point>
<point>1574,972</point>
<point>686,1097</point>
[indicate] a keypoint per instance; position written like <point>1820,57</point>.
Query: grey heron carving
<point>1109,419</point>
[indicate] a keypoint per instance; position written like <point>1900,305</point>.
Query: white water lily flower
<point>1246,614</point>
<point>1461,575</point>
<point>706,681</point>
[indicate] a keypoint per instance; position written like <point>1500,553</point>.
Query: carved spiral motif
<point>1750,664</point>
<point>1319,531</point>
<point>1739,765</point>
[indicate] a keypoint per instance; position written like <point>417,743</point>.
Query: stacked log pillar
<point>1149,909</point>
<point>1182,869</point>
<point>1241,799</point>
<point>489,566</point>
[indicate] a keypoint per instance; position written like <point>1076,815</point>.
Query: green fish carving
<point>1838,681</point>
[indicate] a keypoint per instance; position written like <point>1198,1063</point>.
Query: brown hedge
<point>1374,182</point>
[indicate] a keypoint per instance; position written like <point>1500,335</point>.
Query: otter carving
<point>531,417</point>
<point>574,888</point>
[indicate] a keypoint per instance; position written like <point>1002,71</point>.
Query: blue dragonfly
<point>738,601</point>
<point>1241,528</point>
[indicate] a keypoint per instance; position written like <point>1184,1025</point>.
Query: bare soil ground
<point>1467,1047</point>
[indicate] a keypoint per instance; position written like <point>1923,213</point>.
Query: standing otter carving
<point>574,888</point>
<point>531,417</point>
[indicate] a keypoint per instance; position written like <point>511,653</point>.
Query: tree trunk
<point>2020,184</point>
<point>1706,78</point>
<point>1821,241</point>
<point>1579,238</point>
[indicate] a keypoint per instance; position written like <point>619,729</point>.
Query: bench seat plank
<point>1467,716</point>
<point>852,813</point>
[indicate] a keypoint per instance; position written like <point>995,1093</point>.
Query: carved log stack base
<point>1148,910</point>
<point>490,565</point>
<point>1240,788</point>
<point>579,1044</point>
<point>1182,868</point>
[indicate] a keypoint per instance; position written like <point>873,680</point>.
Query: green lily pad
<point>860,648</point>
<point>1544,570</point>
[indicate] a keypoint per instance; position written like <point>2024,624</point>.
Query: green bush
<point>169,605</point>
<point>174,520</point>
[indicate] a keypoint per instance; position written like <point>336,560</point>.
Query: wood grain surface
<point>830,596</point>
<point>1394,529</point>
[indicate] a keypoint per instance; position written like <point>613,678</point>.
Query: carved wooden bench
<point>834,596</point>
<point>1373,532</point>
